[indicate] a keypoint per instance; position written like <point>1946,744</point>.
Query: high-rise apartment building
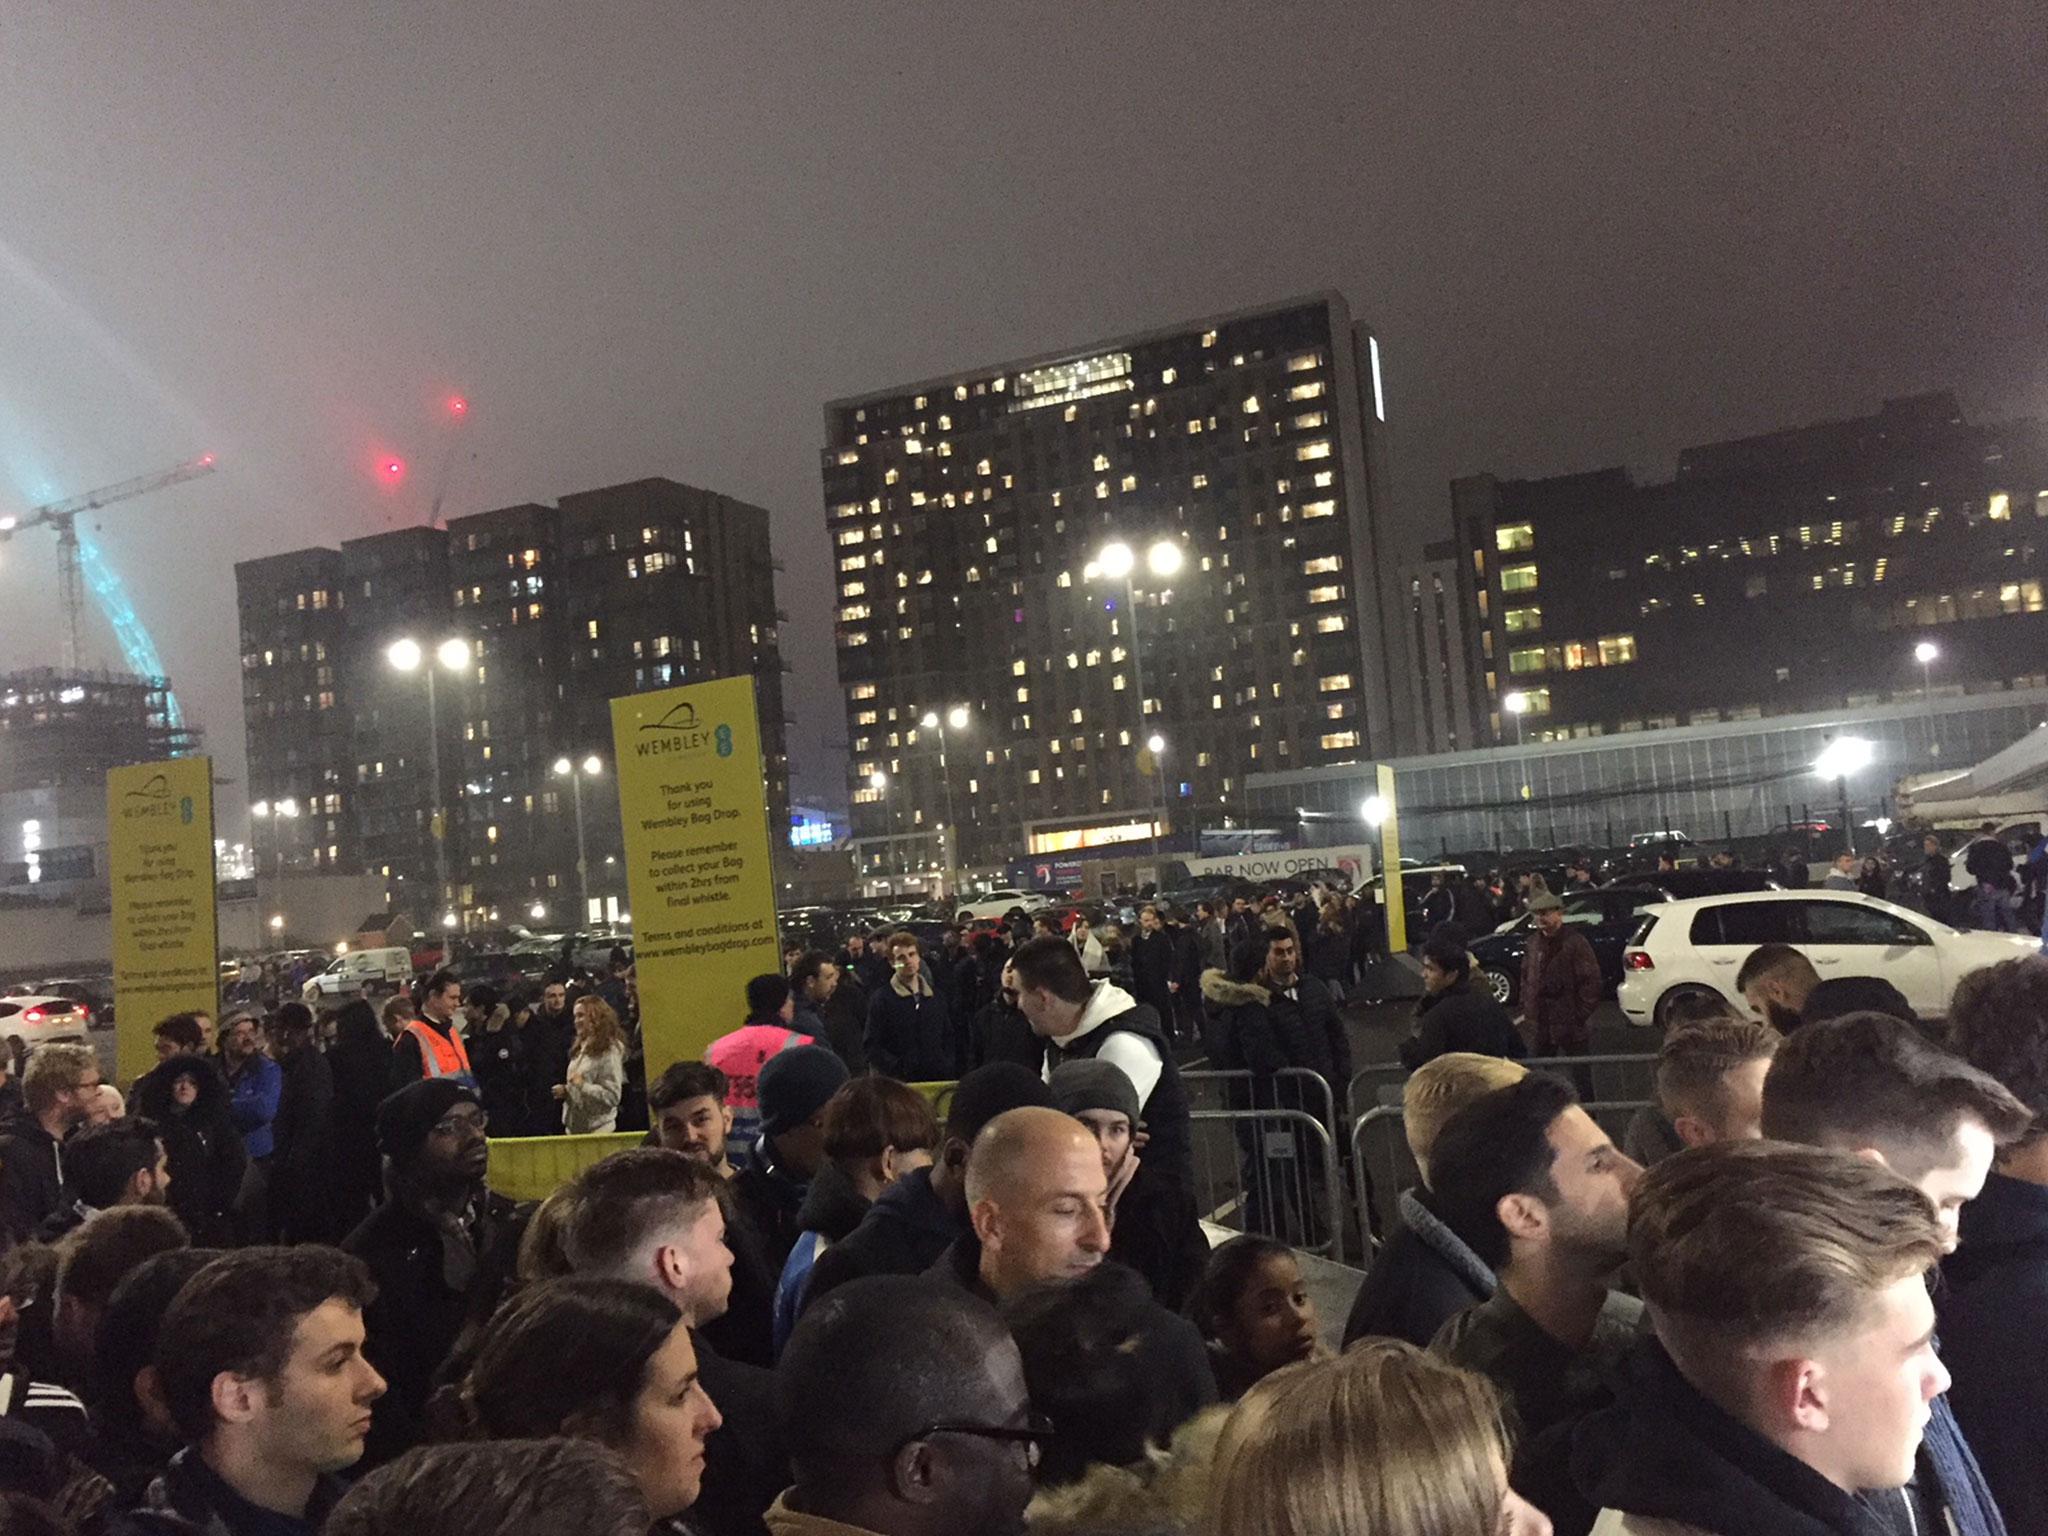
<point>1850,563</point>
<point>982,524</point>
<point>559,609</point>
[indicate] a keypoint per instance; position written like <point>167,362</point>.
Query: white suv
<point>1689,948</point>
<point>1002,903</point>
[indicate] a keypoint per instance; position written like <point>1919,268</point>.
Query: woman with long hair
<point>596,1079</point>
<point>1383,1439</point>
<point>603,1360</point>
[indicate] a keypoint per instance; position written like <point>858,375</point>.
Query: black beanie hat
<point>404,1119</point>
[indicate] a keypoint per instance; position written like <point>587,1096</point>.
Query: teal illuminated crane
<point>79,561</point>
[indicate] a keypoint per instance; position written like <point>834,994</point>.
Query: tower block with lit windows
<point>433,680</point>
<point>1133,571</point>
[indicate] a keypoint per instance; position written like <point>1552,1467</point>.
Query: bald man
<point>1037,1205</point>
<point>907,1414</point>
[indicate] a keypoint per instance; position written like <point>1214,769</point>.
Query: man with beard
<point>1783,989</point>
<point>1542,1195</point>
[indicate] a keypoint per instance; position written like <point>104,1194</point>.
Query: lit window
<point>1208,338</point>
<point>1310,391</point>
<point>1130,482</point>
<point>1319,449</point>
<point>1519,620</point>
<point>849,455</point>
<point>1308,421</point>
<point>1322,565</point>
<point>1332,623</point>
<point>1200,482</point>
<point>1337,741</point>
<point>1325,594</point>
<point>1335,683</point>
<point>1518,578</point>
<point>1514,538</point>
<point>1617,650</point>
<point>1319,509</point>
<point>2000,508</point>
<point>1101,462</point>
<point>1528,658</point>
<point>1194,427</point>
<point>863,691</point>
<point>1251,405</point>
<point>1301,362</point>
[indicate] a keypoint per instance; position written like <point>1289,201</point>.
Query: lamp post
<point>576,773</point>
<point>1927,653</point>
<point>1119,562</point>
<point>1838,759</point>
<point>1517,705</point>
<point>1156,745</point>
<point>274,811</point>
<point>450,655</point>
<point>957,717</point>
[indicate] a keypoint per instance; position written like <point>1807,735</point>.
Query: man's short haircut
<point>877,1359</point>
<point>991,1090</point>
<point>1743,1245</point>
<point>94,1259</point>
<point>440,981</point>
<point>1778,962</point>
<point>1695,1060</point>
<point>1870,1080</point>
<point>239,1315</point>
<point>125,1340</point>
<point>182,1030</point>
<point>624,1202</point>
<point>399,1009</point>
<point>808,965</point>
<point>1440,1087</point>
<point>1998,1023</point>
<point>903,938</point>
<point>687,1080</point>
<point>101,1159</point>
<point>1278,933</point>
<point>55,1069</point>
<point>766,994</point>
<point>560,1487</point>
<point>1448,953</point>
<point>1051,964</point>
<point>1498,1145</point>
<point>870,1115</point>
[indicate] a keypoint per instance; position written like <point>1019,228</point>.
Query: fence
<point>1260,1178</point>
<point>1382,1166</point>
<point>1210,1089</point>
<point>1616,1077</point>
<point>534,1167</point>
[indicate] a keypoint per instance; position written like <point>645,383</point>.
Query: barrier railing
<point>1219,1078</point>
<point>1380,1172</point>
<point>1259,1177</point>
<point>534,1167</point>
<point>1615,1077</point>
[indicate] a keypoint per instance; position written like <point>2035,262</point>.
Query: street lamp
<point>1517,705</point>
<point>274,811</point>
<point>878,781</point>
<point>1927,653</point>
<point>576,773</point>
<point>957,717</point>
<point>277,922</point>
<point>1838,759</point>
<point>1117,561</point>
<point>404,655</point>
<point>1373,810</point>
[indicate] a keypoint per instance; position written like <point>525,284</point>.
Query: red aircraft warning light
<point>393,470</point>
<point>457,406</point>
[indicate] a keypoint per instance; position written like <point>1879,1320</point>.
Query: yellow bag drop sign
<point>166,926</point>
<point>699,860</point>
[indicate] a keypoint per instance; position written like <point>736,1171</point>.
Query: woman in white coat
<point>596,1078</point>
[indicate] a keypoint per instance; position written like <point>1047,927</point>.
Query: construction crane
<point>62,516</point>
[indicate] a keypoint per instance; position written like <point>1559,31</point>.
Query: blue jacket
<point>254,1092</point>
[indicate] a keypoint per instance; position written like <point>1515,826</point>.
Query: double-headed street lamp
<point>957,717</point>
<point>1117,561</point>
<point>274,811</point>
<point>451,655</point>
<point>576,773</point>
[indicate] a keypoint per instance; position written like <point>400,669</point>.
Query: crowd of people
<point>885,1263</point>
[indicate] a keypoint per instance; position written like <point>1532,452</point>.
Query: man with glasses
<point>907,1416</point>
<point>57,1089</point>
<point>441,1240</point>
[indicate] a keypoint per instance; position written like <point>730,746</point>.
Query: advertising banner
<point>699,860</point>
<point>166,927</point>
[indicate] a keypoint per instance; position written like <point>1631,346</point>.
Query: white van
<point>361,972</point>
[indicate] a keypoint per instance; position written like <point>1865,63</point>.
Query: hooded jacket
<point>1165,1495</point>
<point>832,1209</point>
<point>1261,1030</point>
<point>1461,1018</point>
<point>31,1176</point>
<point>1423,1276</point>
<point>1117,1028</point>
<point>903,1233</point>
<point>206,1156</point>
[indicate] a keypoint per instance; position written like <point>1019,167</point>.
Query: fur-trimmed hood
<point>1220,990</point>
<point>1165,1495</point>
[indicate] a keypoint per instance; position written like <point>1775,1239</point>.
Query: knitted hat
<point>794,1085</point>
<point>989,1091</point>
<point>1096,1084</point>
<point>404,1119</point>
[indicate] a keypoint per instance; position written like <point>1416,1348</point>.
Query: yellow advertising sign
<point>699,860</point>
<point>166,927</point>
<point>1392,887</point>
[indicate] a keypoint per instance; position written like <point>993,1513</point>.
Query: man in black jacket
<point>1425,1273</point>
<point>909,1033</point>
<point>1000,1032</point>
<point>429,1247</point>
<point>1152,963</point>
<point>1453,1013</point>
<point>58,1087</point>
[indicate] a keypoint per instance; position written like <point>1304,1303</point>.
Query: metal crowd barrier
<point>1616,1077</point>
<point>1380,1171</point>
<point>1199,1083</point>
<point>534,1167</point>
<point>1259,1177</point>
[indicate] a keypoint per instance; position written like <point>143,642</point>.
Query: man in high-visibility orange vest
<point>429,1046</point>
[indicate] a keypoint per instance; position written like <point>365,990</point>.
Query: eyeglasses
<point>1037,1429</point>
<point>454,1125</point>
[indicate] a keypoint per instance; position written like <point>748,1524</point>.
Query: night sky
<point>652,239</point>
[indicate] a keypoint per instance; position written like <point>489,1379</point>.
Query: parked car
<point>41,1019</point>
<point>1002,903</point>
<point>96,995</point>
<point>361,973</point>
<point>1689,949</point>
<point>1415,880</point>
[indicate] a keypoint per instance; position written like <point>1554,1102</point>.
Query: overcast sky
<point>652,239</point>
